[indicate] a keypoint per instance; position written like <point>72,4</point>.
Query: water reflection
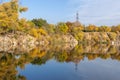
<point>60,53</point>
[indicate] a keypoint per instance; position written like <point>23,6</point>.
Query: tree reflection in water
<point>38,56</point>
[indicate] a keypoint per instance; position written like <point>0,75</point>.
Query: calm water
<point>83,62</point>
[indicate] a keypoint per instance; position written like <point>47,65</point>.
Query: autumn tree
<point>23,9</point>
<point>62,28</point>
<point>112,36</point>
<point>78,33</point>
<point>25,25</point>
<point>115,28</point>
<point>9,15</point>
<point>70,25</point>
<point>50,29</point>
<point>105,29</point>
<point>91,28</point>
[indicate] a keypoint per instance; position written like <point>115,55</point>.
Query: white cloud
<point>99,12</point>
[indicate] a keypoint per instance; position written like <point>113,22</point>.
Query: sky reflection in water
<point>97,69</point>
<point>83,62</point>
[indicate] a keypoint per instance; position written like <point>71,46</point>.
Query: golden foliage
<point>33,32</point>
<point>23,9</point>
<point>42,31</point>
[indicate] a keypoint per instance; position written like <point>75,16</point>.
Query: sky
<point>98,12</point>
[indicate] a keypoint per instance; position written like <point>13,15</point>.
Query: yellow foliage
<point>91,57</point>
<point>34,32</point>
<point>42,31</point>
<point>23,9</point>
<point>6,6</point>
<point>37,53</point>
<point>3,15</point>
<point>2,8</point>
<point>9,15</point>
<point>34,53</point>
<point>92,28</point>
<point>41,54</point>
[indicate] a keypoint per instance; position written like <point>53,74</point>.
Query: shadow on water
<point>64,53</point>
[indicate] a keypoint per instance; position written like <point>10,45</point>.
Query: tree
<point>42,31</point>
<point>40,22</point>
<point>23,9</point>
<point>91,28</point>
<point>51,28</point>
<point>61,57</point>
<point>116,28</point>
<point>70,25</point>
<point>25,25</point>
<point>34,32</point>
<point>77,33</point>
<point>105,29</point>
<point>112,36</point>
<point>62,28</point>
<point>9,15</point>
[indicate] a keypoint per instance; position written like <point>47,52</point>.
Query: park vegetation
<point>11,23</point>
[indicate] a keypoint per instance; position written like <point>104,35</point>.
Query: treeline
<point>10,22</point>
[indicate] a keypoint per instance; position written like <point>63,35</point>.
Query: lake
<point>60,62</point>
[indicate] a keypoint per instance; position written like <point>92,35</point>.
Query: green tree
<point>40,22</point>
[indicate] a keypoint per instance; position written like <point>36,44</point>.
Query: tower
<point>76,66</point>
<point>77,23</point>
<point>76,61</point>
<point>77,17</point>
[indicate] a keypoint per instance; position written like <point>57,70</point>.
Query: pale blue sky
<point>98,12</point>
